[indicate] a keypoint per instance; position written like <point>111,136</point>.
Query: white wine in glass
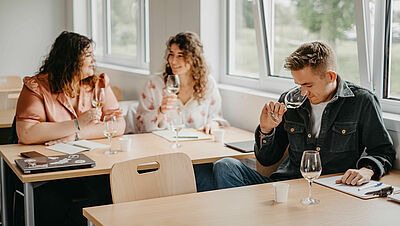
<point>110,130</point>
<point>294,98</point>
<point>310,168</point>
<point>172,84</point>
<point>98,98</point>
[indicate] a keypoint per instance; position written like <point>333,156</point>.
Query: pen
<point>372,186</point>
<point>187,137</point>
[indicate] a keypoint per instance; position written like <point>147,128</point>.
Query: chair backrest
<point>266,171</point>
<point>117,92</point>
<point>174,176</point>
<point>10,83</point>
<point>13,137</point>
<point>10,87</point>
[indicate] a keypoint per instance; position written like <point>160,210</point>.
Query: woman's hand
<point>209,127</point>
<point>61,140</point>
<point>91,116</point>
<point>271,116</point>
<point>168,103</point>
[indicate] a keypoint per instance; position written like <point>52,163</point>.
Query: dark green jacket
<point>352,136</point>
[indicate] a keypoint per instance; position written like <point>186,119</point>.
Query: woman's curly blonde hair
<point>192,49</point>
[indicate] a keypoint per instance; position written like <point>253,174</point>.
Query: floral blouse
<point>196,115</point>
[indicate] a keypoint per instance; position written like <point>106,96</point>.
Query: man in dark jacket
<point>340,120</point>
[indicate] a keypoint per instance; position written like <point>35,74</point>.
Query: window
<point>120,31</point>
<point>391,84</point>
<point>242,46</point>
<point>298,21</point>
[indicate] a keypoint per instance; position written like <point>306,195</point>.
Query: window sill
<point>136,71</point>
<point>392,121</point>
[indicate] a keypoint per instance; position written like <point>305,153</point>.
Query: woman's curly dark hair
<point>192,48</point>
<point>64,62</point>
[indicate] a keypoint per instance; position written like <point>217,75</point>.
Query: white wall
<point>27,30</point>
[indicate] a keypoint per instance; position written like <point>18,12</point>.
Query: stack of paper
<point>76,146</point>
<point>185,134</point>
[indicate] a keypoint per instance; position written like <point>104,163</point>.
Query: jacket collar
<point>342,90</point>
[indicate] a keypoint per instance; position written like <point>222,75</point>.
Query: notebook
<point>76,146</point>
<point>54,163</point>
<point>242,146</point>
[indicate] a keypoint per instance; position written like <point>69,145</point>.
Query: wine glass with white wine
<point>172,84</point>
<point>110,130</point>
<point>177,124</point>
<point>294,98</point>
<point>310,168</point>
<point>98,98</point>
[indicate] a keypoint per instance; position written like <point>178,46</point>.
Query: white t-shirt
<point>316,117</point>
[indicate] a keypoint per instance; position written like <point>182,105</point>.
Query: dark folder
<point>243,146</point>
<point>54,163</point>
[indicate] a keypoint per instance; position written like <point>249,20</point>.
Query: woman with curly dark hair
<point>58,99</point>
<point>198,96</point>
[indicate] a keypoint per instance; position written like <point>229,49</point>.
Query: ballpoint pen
<point>371,186</point>
<point>384,192</point>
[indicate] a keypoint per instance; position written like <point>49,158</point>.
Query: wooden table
<point>253,205</point>
<point>143,145</point>
<point>6,118</point>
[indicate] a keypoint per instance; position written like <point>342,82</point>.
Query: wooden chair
<point>117,92</point>
<point>266,171</point>
<point>174,176</point>
<point>10,87</point>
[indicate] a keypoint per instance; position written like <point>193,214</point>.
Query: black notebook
<point>243,146</point>
<point>54,163</point>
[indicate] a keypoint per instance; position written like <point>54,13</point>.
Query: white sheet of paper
<point>89,144</point>
<point>358,191</point>
<point>186,134</point>
<point>66,148</point>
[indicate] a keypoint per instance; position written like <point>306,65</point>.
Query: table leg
<point>29,204</point>
<point>3,192</point>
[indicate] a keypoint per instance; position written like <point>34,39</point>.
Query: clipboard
<point>358,191</point>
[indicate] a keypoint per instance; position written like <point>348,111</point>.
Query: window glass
<point>394,78</point>
<point>299,21</point>
<point>98,26</point>
<point>124,27</point>
<point>242,48</point>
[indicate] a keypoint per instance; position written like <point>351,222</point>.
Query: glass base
<point>176,145</point>
<point>110,152</point>
<point>309,201</point>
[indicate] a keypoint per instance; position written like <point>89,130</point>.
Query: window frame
<point>141,61</point>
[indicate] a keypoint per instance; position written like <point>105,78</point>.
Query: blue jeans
<point>230,172</point>
<point>204,177</point>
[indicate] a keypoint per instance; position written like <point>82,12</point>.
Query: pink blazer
<point>36,103</point>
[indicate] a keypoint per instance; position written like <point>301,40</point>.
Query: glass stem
<point>109,142</point>
<point>176,140</point>
<point>309,190</point>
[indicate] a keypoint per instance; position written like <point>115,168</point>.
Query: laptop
<point>54,163</point>
<point>242,146</point>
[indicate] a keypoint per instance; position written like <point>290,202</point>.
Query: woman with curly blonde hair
<point>198,98</point>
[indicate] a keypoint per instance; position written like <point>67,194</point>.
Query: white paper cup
<point>218,135</point>
<point>281,191</point>
<point>125,144</point>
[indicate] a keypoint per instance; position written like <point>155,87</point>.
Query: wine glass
<point>98,98</point>
<point>294,98</point>
<point>110,129</point>
<point>310,168</point>
<point>172,84</point>
<point>177,124</point>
